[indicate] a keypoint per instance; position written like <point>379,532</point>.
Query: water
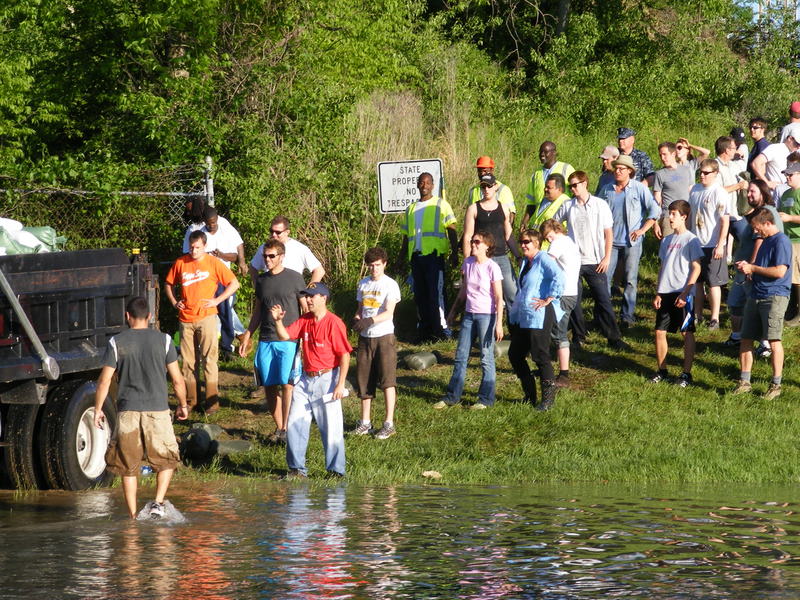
<point>306,540</point>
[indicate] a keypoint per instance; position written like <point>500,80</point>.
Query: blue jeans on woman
<point>480,325</point>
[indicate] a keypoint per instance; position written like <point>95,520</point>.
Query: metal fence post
<point>209,182</point>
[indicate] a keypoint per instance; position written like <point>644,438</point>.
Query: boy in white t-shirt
<point>680,254</point>
<point>376,358</point>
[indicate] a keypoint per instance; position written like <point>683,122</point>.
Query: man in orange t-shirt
<point>198,273</point>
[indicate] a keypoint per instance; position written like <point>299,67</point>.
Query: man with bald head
<point>548,155</point>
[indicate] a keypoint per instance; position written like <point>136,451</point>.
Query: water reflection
<point>268,540</point>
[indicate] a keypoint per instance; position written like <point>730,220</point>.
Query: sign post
<point>397,182</point>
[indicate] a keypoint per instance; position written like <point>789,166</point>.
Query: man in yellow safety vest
<point>554,197</point>
<point>429,228</point>
<point>547,156</point>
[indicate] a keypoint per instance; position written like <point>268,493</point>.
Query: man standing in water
<point>144,428</point>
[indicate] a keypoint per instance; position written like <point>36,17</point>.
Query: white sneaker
<point>156,510</point>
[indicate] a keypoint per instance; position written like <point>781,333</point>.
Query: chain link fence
<point>147,217</point>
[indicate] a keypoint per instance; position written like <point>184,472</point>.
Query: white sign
<point>397,182</point>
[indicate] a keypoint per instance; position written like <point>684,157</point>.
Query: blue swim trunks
<point>277,363</point>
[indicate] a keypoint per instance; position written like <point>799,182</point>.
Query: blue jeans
<point>630,279</point>
<point>309,400</point>
<point>509,280</point>
<point>473,324</point>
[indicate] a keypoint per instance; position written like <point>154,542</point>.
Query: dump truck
<point>58,311</point>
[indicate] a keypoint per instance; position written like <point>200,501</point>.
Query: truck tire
<point>72,448</point>
<point>21,464</point>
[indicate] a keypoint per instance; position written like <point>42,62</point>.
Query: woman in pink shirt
<point>482,297</point>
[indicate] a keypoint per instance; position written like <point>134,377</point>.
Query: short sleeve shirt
<point>372,297</point>
<point>677,252</point>
<point>324,341</point>
<point>775,250</point>
<point>282,289</point>
<point>140,357</point>
<point>790,204</point>
<point>709,205</point>
<point>198,280</point>
<point>298,257</point>
<point>674,184</point>
<point>478,278</point>
<point>568,257</point>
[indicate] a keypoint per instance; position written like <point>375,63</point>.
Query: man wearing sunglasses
<point>275,359</point>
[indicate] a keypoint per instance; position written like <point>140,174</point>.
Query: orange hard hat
<point>485,162</point>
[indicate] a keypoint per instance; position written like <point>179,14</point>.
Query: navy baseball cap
<point>315,288</point>
<point>625,132</point>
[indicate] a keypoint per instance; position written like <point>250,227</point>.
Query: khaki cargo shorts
<point>142,437</point>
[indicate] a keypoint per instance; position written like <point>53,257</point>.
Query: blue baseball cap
<point>315,288</point>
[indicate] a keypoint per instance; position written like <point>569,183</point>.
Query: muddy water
<point>306,540</point>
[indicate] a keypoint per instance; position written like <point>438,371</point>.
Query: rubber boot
<point>549,391</point>
<point>795,300</point>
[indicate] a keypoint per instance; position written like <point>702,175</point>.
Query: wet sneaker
<point>385,432</point>
<point>763,351</point>
<point>658,377</point>
<point>156,510</point>
<point>773,391</point>
<point>362,429</point>
<point>743,387</point>
<point>684,380</point>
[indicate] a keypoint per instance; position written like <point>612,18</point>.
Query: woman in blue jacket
<point>532,316</point>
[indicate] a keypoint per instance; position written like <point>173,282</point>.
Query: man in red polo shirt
<point>318,394</point>
<point>198,273</point>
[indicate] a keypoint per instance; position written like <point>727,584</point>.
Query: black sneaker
<point>731,342</point>
<point>659,377</point>
<point>684,380</point>
<point>620,346</point>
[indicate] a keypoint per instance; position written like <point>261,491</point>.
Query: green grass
<point>612,425</point>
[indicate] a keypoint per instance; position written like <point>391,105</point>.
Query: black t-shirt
<point>282,289</point>
<point>140,357</point>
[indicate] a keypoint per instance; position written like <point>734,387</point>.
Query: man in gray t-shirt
<point>139,356</point>
<point>671,183</point>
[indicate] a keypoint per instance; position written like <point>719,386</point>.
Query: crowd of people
<point>712,216</point>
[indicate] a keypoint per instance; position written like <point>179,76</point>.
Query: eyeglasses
<point>271,256</point>
<point>525,242</point>
<point>475,242</point>
<point>707,172</point>
<point>620,168</point>
<point>277,231</point>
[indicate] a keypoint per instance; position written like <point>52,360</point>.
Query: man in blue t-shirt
<point>766,304</point>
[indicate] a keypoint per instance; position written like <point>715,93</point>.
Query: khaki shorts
<point>142,437</point>
<point>795,263</point>
<point>763,318</point>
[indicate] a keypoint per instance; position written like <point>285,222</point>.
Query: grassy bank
<point>612,425</point>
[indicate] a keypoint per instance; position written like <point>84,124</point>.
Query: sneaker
<point>478,406</point>
<point>156,510</point>
<point>743,387</point>
<point>385,432</point>
<point>562,381</point>
<point>280,437</point>
<point>294,474</point>
<point>440,405</point>
<point>684,380</point>
<point>763,351</point>
<point>362,429</point>
<point>732,342</point>
<point>273,437</point>
<point>658,377</point>
<point>773,391</point>
<point>713,324</point>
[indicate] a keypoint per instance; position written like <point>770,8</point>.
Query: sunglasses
<point>756,127</point>
<point>525,242</point>
<point>681,147</point>
<point>271,256</point>
<point>277,231</point>
<point>475,242</point>
<point>576,184</point>
<point>707,172</point>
